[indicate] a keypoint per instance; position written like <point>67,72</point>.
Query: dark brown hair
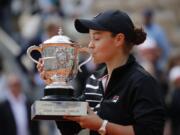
<point>139,36</point>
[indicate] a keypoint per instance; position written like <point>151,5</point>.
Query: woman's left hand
<point>91,120</point>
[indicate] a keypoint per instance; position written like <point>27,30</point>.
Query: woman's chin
<point>96,61</point>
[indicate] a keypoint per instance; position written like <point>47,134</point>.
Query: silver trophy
<point>60,56</point>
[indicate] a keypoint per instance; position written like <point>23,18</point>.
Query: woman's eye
<point>96,39</point>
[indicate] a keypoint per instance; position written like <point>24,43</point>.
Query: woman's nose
<point>91,45</point>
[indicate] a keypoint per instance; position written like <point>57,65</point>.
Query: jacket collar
<point>103,71</point>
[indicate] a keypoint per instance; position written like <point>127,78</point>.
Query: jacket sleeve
<point>148,108</point>
<point>68,127</point>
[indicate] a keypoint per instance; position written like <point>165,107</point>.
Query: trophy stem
<point>58,94</point>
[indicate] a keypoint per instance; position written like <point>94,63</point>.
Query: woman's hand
<point>40,67</point>
<point>90,121</point>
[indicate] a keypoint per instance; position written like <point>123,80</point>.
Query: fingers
<point>81,124</point>
<point>89,110</point>
<point>43,75</point>
<point>40,65</point>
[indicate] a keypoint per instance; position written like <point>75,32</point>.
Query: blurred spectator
<point>76,8</point>
<point>6,15</point>
<point>10,11</point>
<point>17,7</point>
<point>28,21</point>
<point>50,7</point>
<point>174,77</point>
<point>173,61</point>
<point>148,55</point>
<point>3,82</point>
<point>15,111</point>
<point>157,33</point>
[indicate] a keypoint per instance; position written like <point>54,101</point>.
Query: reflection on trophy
<point>60,56</point>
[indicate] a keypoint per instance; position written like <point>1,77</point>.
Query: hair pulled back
<point>139,36</point>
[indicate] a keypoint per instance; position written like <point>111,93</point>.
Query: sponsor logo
<point>115,99</point>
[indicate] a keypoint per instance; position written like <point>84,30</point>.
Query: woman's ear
<point>120,38</point>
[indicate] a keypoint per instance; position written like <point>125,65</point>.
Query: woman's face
<point>102,46</point>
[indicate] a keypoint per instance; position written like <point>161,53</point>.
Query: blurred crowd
<point>30,22</point>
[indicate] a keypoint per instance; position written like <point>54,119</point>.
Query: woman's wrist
<point>98,124</point>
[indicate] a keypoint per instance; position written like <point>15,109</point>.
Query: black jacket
<point>132,97</point>
<point>7,120</point>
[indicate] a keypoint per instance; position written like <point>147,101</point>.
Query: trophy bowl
<point>60,58</point>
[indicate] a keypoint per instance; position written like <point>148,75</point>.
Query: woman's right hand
<point>42,72</point>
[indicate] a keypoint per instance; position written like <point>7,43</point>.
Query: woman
<point>126,99</point>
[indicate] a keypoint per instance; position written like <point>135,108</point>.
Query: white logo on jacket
<point>115,98</point>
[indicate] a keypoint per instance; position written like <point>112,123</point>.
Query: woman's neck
<point>116,62</point>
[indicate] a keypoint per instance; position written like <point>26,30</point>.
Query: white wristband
<point>102,129</point>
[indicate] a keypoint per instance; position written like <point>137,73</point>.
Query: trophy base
<point>57,103</point>
<point>55,110</point>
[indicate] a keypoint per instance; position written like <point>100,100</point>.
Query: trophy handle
<point>32,48</point>
<point>86,50</point>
